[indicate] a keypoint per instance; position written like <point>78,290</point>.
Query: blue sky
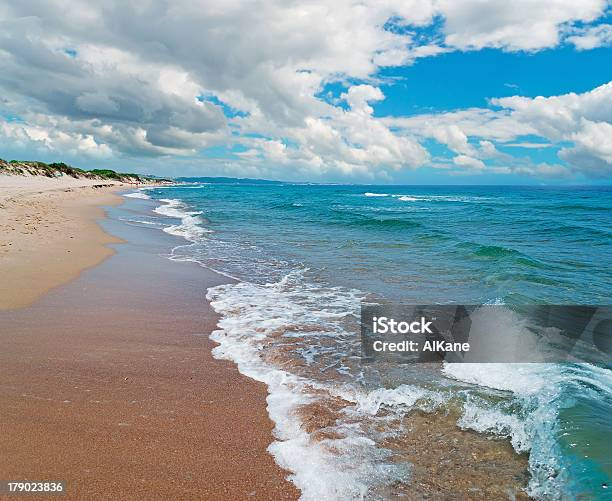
<point>462,80</point>
<point>467,79</point>
<point>412,91</point>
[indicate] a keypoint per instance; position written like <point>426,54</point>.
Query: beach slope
<point>107,381</point>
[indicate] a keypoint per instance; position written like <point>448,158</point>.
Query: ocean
<point>304,256</point>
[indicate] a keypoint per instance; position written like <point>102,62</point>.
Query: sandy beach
<point>326,251</point>
<point>48,233</point>
<point>107,381</point>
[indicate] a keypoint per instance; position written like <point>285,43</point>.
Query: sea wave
<point>530,418</point>
<point>137,194</point>
<point>404,197</point>
<point>190,227</point>
<point>258,321</point>
<point>297,335</point>
<point>293,336</point>
<point>345,463</point>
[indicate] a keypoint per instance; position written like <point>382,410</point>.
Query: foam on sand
<point>345,467</point>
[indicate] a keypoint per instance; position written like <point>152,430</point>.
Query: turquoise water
<point>427,243</point>
<point>306,255</point>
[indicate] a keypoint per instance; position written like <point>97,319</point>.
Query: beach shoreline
<point>108,382</point>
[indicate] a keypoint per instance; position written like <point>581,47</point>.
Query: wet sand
<point>107,383</point>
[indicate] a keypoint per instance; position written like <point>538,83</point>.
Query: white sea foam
<point>404,197</point>
<point>515,401</point>
<point>137,194</point>
<point>528,418</point>
<point>140,221</point>
<point>348,467</point>
<point>150,223</point>
<point>252,316</point>
<point>190,228</point>
<point>404,396</point>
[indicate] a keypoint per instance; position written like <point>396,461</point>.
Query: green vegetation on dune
<point>58,169</point>
<point>111,174</point>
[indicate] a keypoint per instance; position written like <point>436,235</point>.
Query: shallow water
<point>306,255</point>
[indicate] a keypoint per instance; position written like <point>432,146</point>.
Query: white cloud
<point>595,137</point>
<point>153,78</point>
<point>468,162</point>
<point>528,145</point>
<point>26,138</point>
<point>557,117</point>
<point>592,37</point>
<point>553,171</point>
<point>472,122</point>
<point>592,152</point>
<point>580,123</point>
<point>358,97</point>
<point>582,119</point>
<point>453,137</point>
<point>488,150</point>
<point>517,25</point>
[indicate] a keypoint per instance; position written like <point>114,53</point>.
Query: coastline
<point>108,381</point>
<point>444,460</point>
<point>433,457</point>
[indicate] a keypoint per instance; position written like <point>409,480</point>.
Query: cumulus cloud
<point>558,116</point>
<point>582,119</point>
<point>154,79</point>
<point>493,125</point>
<point>132,75</point>
<point>358,97</point>
<point>453,137</point>
<point>580,123</point>
<point>518,25</point>
<point>592,37</point>
<point>468,162</point>
<point>553,171</point>
<point>592,152</point>
<point>27,138</point>
<point>488,150</point>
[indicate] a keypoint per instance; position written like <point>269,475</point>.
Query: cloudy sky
<point>417,91</point>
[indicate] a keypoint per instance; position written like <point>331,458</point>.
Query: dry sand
<point>107,382</point>
<point>48,233</point>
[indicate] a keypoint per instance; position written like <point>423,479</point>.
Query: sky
<point>392,91</point>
